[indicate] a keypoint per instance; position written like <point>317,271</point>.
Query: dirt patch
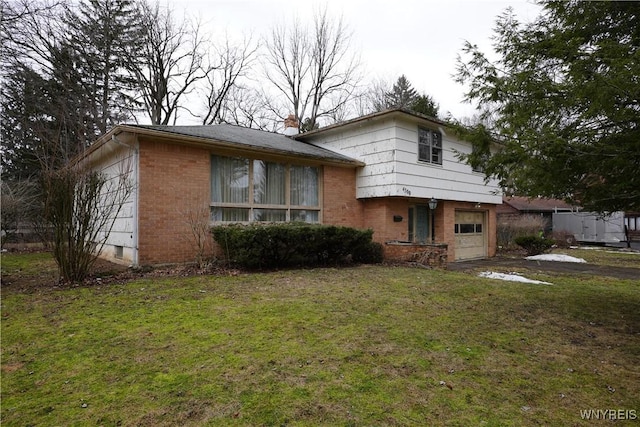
<point>11,367</point>
<point>103,272</point>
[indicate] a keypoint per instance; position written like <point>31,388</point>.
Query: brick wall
<point>433,255</point>
<point>378,215</point>
<point>340,206</point>
<point>174,182</point>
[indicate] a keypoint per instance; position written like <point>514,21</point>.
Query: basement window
<point>118,252</point>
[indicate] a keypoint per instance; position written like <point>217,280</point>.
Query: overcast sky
<point>418,38</point>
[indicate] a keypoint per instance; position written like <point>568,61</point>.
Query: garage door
<point>470,235</point>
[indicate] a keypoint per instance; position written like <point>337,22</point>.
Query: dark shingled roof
<point>254,139</point>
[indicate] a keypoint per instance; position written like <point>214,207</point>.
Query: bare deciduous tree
<point>170,64</point>
<point>372,97</point>
<point>28,30</point>
<point>314,71</point>
<point>177,60</point>
<point>228,64</point>
<point>247,107</point>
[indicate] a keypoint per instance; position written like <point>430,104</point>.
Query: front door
<point>419,224</point>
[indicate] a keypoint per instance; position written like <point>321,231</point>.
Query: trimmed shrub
<point>258,246</point>
<point>534,245</point>
<point>371,253</point>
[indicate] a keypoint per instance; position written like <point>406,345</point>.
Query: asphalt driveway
<point>505,264</point>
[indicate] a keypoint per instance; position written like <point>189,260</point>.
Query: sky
<point>418,38</point>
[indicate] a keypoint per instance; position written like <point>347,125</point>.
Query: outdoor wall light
<point>433,204</point>
<point>397,218</point>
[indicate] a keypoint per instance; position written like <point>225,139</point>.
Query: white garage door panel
<point>470,231</point>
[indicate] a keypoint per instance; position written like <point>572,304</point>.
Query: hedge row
<point>295,245</point>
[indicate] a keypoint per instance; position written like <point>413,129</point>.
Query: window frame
<point>468,228</point>
<point>254,207</point>
<point>432,143</point>
<point>478,169</point>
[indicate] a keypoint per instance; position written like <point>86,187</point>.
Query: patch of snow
<point>510,277</point>
<point>555,257</point>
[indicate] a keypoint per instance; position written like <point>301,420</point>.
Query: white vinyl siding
<point>120,162</point>
<point>389,148</point>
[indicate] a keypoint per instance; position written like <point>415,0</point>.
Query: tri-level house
<point>395,172</point>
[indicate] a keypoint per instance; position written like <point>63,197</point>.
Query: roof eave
<point>371,117</point>
<point>211,142</point>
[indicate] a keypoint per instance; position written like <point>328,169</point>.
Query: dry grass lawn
<point>355,346</point>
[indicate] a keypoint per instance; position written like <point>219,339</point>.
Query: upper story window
<point>429,146</point>
<point>245,190</point>
<point>479,168</point>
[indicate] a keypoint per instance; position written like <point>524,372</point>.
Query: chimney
<point>290,125</point>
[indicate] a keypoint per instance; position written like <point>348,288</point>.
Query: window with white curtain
<point>269,183</point>
<point>244,190</point>
<point>229,187</point>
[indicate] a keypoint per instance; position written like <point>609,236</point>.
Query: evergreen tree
<point>104,32</point>
<point>70,127</point>
<point>564,104</point>
<point>44,116</point>
<point>402,95</point>
<point>424,104</point>
<point>23,92</point>
<point>64,79</point>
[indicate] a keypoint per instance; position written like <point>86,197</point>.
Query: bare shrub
<point>81,206</point>
<point>197,218</point>
<point>564,238</point>
<point>19,202</point>
<point>524,225</point>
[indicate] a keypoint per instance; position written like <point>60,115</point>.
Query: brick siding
<point>340,206</point>
<point>174,181</point>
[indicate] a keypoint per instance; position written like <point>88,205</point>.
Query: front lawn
<point>355,346</point>
<point>604,256</point>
